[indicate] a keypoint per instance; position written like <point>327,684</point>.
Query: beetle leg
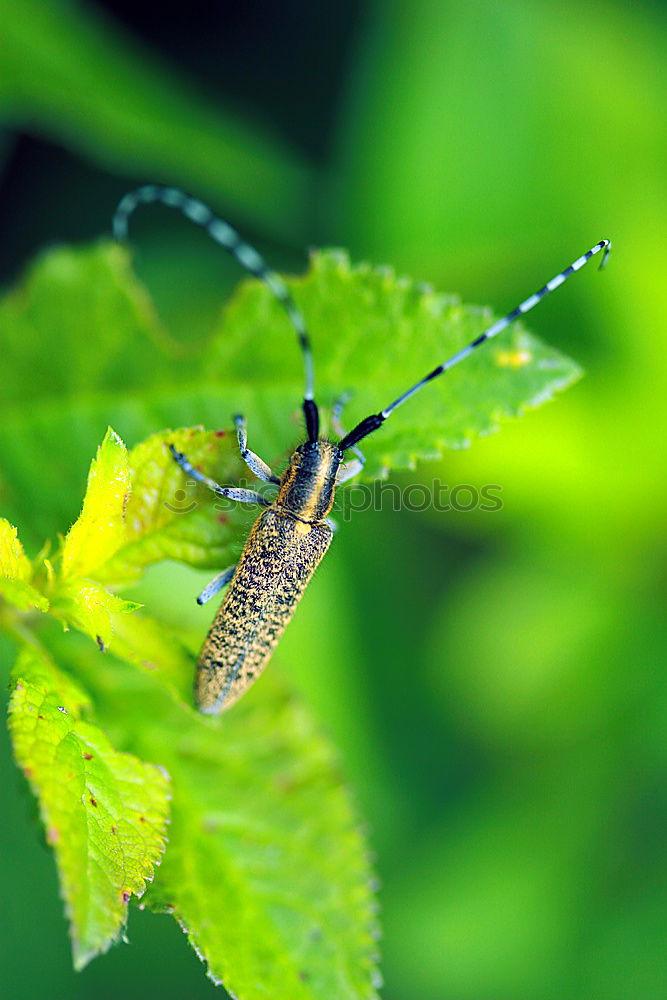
<point>230,492</point>
<point>216,584</point>
<point>348,470</point>
<point>258,467</point>
<point>338,428</point>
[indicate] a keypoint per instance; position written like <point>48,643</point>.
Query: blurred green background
<point>497,683</point>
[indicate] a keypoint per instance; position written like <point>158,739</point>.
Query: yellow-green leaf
<point>89,607</point>
<point>104,812</point>
<point>14,563</point>
<point>16,572</point>
<point>22,595</point>
<point>168,515</point>
<point>100,529</point>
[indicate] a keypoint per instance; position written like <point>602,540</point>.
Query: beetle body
<point>292,535</point>
<point>280,555</point>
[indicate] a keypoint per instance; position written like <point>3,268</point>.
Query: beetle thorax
<point>307,487</point>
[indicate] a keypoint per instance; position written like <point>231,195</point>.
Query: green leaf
<point>104,812</point>
<point>266,868</point>
<point>168,515</point>
<point>16,572</point>
<point>100,530</point>
<point>138,510</point>
<point>372,332</point>
<point>158,649</point>
<point>90,608</point>
<point>22,595</point>
<point>376,333</point>
<point>130,374</point>
<point>97,534</point>
<point>102,326</point>
<point>14,563</point>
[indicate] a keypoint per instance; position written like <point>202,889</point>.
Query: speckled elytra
<point>292,534</point>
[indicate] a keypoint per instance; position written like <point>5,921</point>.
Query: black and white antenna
<point>246,255</point>
<point>375,420</point>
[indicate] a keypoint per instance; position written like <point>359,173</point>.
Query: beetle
<point>294,531</point>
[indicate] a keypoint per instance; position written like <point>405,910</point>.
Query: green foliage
<point>104,812</point>
<point>16,572</point>
<point>277,892</point>
<point>376,333</point>
<point>514,779</point>
<point>155,527</point>
<point>265,869</point>
<point>90,543</point>
<point>264,866</point>
<point>373,333</point>
<point>100,529</point>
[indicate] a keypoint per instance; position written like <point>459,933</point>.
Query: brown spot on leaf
<point>223,518</point>
<point>93,802</point>
<point>113,830</point>
<point>87,756</point>
<point>220,434</point>
<point>142,819</point>
<point>125,896</point>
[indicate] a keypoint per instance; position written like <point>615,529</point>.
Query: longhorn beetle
<point>290,537</point>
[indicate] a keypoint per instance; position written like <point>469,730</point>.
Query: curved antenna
<point>227,237</point>
<point>370,424</point>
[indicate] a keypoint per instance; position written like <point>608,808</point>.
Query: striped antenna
<point>227,237</point>
<point>370,424</point>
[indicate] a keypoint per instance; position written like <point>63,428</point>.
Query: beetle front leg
<point>353,468</point>
<point>229,492</point>
<point>256,465</point>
